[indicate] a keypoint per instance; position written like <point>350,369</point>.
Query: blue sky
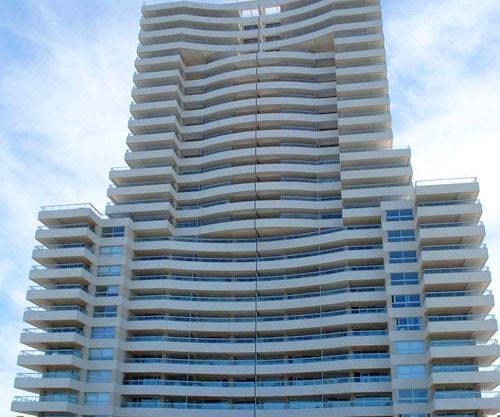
<point>65,90</point>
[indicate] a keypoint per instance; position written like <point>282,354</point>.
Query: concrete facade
<point>265,252</point>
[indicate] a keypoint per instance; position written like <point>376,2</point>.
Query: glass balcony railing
<point>52,352</point>
<point>263,277</point>
<point>304,404</point>
<point>462,342</point>
<point>449,224</point>
<point>59,207</point>
<point>58,308</point>
<point>465,394</point>
<point>453,247</point>
<point>269,383</point>
<point>447,181</point>
<point>439,294</point>
<point>73,399</point>
<point>47,330</point>
<point>194,258</point>
<point>259,298</point>
<point>62,266</point>
<point>460,317</point>
<point>446,203</point>
<point>464,368</point>
<point>262,362</point>
<point>464,269</point>
<point>259,239</point>
<point>64,246</point>
<point>48,375</point>
<point>270,339</point>
<point>67,226</point>
<point>59,287</point>
<point>252,319</point>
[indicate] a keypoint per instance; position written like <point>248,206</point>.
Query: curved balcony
<point>242,324</point>
<point>264,282</point>
<point>39,360</point>
<point>262,344</point>
<point>267,388</point>
<point>337,362</point>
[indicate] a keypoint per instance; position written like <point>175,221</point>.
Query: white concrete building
<point>266,253</point>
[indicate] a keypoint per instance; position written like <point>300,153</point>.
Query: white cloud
<point>65,112</point>
<point>444,78</point>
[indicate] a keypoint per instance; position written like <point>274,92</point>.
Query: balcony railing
<point>52,352</point>
<point>447,181</point>
<point>319,232</point>
<point>455,270</point>
<point>437,294</point>
<point>65,246</point>
<point>245,362</point>
<point>269,383</point>
<point>59,287</point>
<point>74,207</point>
<point>465,394</point>
<point>194,258</point>
<point>258,298</point>
<point>462,342</point>
<point>361,402</point>
<point>449,224</point>
<point>461,317</point>
<point>61,266</point>
<point>48,375</point>
<point>67,226</point>
<point>453,247</point>
<point>58,308</point>
<point>270,339</point>
<point>165,317</point>
<point>262,277</point>
<point>464,368</point>
<point>73,399</point>
<point>446,203</point>
<point>47,330</point>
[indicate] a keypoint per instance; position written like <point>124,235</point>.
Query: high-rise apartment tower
<point>265,253</point>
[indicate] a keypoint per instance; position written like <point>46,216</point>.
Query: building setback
<point>266,252</point>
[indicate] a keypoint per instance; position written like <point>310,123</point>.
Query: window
<point>109,270</point>
<point>250,40</point>
<point>103,333</point>
<point>117,231</point>
<point>397,215</point>
<point>97,398</point>
<point>406,347</point>
<point>401,235</point>
<point>272,10</point>
<point>250,27</point>
<point>408,323</point>
<point>405,301</point>
<point>413,396</point>
<point>99,376</point>
<point>105,311</point>
<point>273,24</point>
<point>250,13</point>
<point>101,354</point>
<point>402,257</point>
<point>111,250</point>
<point>404,278</point>
<point>272,38</point>
<point>106,290</point>
<point>411,371</point>
<point>423,415</point>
